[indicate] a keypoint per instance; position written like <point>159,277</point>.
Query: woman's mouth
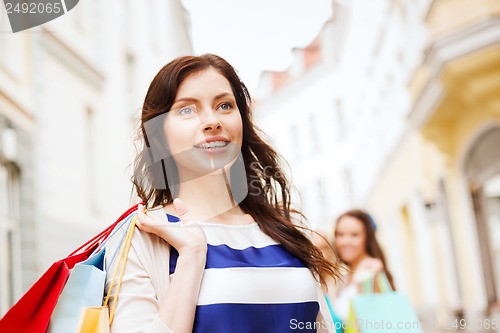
<point>347,251</point>
<point>213,147</point>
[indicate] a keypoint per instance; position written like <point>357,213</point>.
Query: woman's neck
<point>208,198</point>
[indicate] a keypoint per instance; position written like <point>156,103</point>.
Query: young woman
<point>217,249</point>
<point>359,250</point>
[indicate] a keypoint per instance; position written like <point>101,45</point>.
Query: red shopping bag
<point>32,312</point>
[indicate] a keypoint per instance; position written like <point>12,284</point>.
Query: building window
<point>295,142</point>
<point>91,159</point>
<point>12,49</point>
<point>322,196</point>
<point>348,184</point>
<point>314,133</point>
<point>10,245</point>
<point>339,113</point>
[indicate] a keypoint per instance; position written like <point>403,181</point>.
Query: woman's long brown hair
<point>372,247</point>
<point>268,198</point>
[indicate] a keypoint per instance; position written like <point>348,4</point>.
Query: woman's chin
<point>203,167</point>
<point>213,162</point>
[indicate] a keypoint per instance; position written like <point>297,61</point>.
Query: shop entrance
<point>483,172</point>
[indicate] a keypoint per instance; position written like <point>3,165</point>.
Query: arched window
<point>482,168</point>
<point>10,243</point>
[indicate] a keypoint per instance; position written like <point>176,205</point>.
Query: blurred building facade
<point>70,97</point>
<point>395,107</point>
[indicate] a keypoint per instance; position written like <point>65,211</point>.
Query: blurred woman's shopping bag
<point>33,311</point>
<point>381,312</point>
<point>337,323</point>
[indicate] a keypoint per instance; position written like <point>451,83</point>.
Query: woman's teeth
<point>213,144</point>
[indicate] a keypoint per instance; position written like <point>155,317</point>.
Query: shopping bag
<point>91,319</point>
<point>31,314</point>
<point>337,323</point>
<point>382,312</point>
<point>94,320</point>
<point>84,288</point>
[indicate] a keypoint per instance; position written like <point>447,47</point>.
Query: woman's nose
<point>210,121</point>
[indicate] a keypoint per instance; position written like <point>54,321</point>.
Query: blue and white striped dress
<point>251,283</point>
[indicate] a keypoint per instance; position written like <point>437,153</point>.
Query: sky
<point>255,35</point>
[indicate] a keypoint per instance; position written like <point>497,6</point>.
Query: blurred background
<point>388,105</point>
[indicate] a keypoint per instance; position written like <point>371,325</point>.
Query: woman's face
<point>203,129</point>
<point>350,239</point>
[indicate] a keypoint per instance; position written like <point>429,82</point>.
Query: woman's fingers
<point>184,237</point>
<point>140,209</point>
<point>182,211</point>
<point>142,217</point>
<point>140,214</point>
<point>377,265</point>
<point>151,224</point>
<point>372,264</point>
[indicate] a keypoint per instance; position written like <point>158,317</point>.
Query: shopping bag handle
<point>120,267</point>
<point>115,230</point>
<point>368,285</point>
<point>383,283</point>
<point>96,240</point>
<point>126,223</point>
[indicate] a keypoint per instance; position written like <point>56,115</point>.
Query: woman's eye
<point>187,111</point>
<point>225,106</point>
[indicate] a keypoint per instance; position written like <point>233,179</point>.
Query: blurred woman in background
<point>358,249</point>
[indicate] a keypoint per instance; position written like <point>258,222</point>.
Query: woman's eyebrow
<point>224,94</point>
<point>186,99</point>
<point>194,100</point>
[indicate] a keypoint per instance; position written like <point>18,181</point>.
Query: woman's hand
<point>371,264</point>
<point>187,237</point>
<point>367,268</point>
<point>177,309</point>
